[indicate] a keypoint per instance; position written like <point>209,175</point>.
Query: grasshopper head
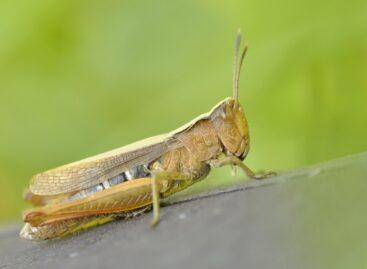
<point>232,128</point>
<point>229,118</point>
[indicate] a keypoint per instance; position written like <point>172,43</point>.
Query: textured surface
<point>308,218</point>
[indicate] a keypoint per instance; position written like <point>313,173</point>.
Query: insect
<point>130,180</point>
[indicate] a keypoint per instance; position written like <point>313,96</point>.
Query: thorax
<point>199,144</point>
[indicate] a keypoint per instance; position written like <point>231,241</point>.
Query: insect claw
<point>234,170</point>
<point>155,221</point>
<point>265,175</point>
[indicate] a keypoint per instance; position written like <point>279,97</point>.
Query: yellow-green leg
<point>155,201</point>
<point>160,176</point>
<point>233,160</point>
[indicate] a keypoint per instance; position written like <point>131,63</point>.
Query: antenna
<point>237,65</point>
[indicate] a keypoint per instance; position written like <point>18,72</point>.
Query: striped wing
<point>91,171</point>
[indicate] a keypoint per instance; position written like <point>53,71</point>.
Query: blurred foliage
<point>81,77</point>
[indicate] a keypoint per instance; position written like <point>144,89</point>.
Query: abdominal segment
<point>140,171</point>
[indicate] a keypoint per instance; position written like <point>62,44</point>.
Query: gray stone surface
<point>313,217</point>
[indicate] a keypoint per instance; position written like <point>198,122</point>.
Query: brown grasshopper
<point>129,180</point>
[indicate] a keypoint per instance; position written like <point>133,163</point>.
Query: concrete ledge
<point>307,218</point>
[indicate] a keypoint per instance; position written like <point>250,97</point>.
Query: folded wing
<point>91,171</point>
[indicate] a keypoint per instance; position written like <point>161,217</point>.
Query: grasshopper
<point>130,180</point>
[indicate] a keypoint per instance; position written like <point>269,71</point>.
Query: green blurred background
<point>81,77</point>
